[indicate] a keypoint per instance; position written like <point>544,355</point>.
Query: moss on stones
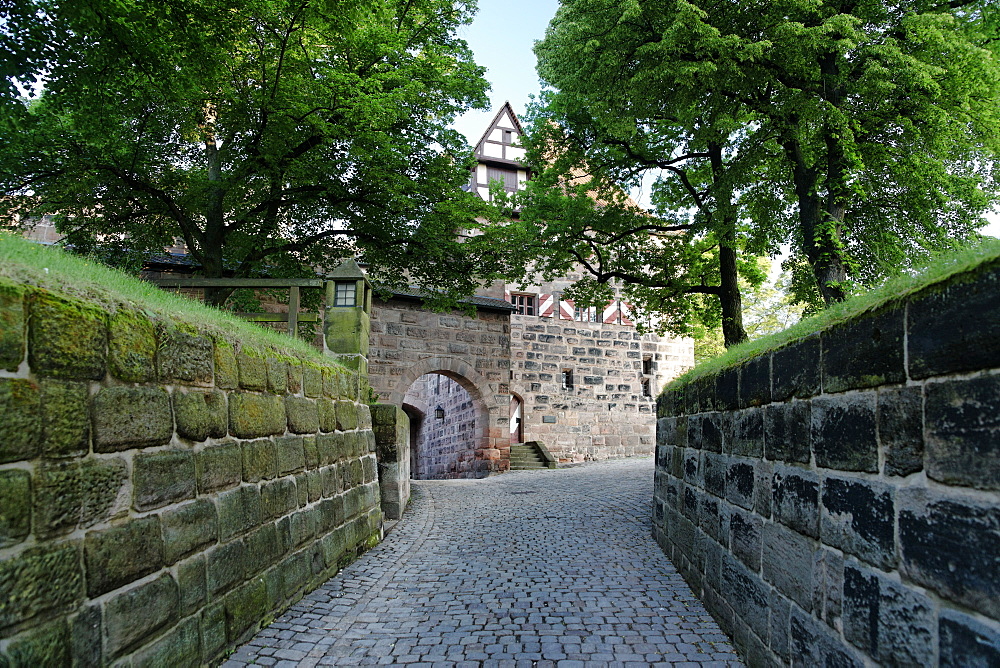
<point>253,369</point>
<point>15,506</point>
<point>302,414</point>
<point>131,346</point>
<point>219,467</point>
<point>65,411</point>
<point>312,380</point>
<point>47,645</point>
<point>68,339</point>
<point>122,554</point>
<point>227,373</point>
<point>38,580</point>
<point>277,374</point>
<point>160,478</point>
<point>254,415</point>
<point>184,354</point>
<point>201,415</point>
<point>11,325</point>
<point>20,428</point>
<point>130,417</point>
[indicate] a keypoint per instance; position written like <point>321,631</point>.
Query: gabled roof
<point>504,118</point>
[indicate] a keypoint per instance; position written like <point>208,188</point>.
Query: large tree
<point>264,133</point>
<point>865,133</point>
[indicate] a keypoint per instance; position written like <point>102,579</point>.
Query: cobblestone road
<point>541,568</point>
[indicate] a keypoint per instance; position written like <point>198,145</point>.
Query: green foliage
<point>263,133</point>
<point>863,134</point>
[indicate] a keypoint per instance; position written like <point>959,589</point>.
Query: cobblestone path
<point>540,568</point>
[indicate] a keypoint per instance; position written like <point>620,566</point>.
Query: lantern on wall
<point>439,413</point>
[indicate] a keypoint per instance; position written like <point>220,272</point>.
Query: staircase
<point>530,456</point>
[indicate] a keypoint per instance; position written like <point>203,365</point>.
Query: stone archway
<point>490,451</point>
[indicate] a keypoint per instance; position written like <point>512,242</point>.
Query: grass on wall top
<point>893,290</point>
<point>51,268</point>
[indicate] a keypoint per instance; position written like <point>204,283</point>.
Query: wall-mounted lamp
<point>439,413</point>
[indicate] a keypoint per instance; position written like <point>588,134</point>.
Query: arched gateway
<point>411,349</point>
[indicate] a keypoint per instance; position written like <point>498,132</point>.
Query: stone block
<point>715,473</point>
<point>950,544</point>
<point>327,414</point>
<point>364,416</point>
<point>291,454</point>
<point>160,478</point>
<point>191,585</point>
<point>727,385</point>
<point>239,511</point>
<point>293,378</point>
<point>181,646</point>
<point>828,585</point>
<point>201,415</point>
<point>858,518</point>
<point>46,645</point>
<point>68,339</point>
<point>219,467</point>
<point>746,593</point>
<point>122,554</point>
<point>865,352</point>
<point>740,483</point>
<point>263,547</point>
<point>812,643</point>
<point>226,566</point>
<point>778,628</point>
<point>755,381</point>
<point>256,415</point>
<point>245,608</point>
<point>21,427</point>
<point>15,506</point>
<point>65,418</point>
<point>955,327</point>
<point>312,380</point>
<point>86,641</point>
<point>131,346</point>
<point>892,624</point>
<point>714,427</point>
<point>901,429</point>
<point>787,563</point>
<point>795,370</point>
<point>795,499</point>
<point>101,481</point>
<point>252,369</point>
<point>787,432</point>
<point>843,432</point>
<point>965,641</point>
<point>745,532</point>
<point>330,448</point>
<point>963,432</point>
<point>689,504</point>
<point>347,416</point>
<point>278,498</point>
<point>11,325</point>
<point>692,429</point>
<point>131,417</point>
<point>315,486</point>
<point>692,468</point>
<point>227,373</point>
<point>213,633</point>
<point>302,414</point>
<point>39,580</point>
<point>136,614</point>
<point>277,374</point>
<point>58,498</point>
<point>184,355</point>
<point>187,528</point>
<point>746,433</point>
<point>260,460</point>
<point>311,452</point>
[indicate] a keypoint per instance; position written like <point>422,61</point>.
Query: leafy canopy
<point>268,134</point>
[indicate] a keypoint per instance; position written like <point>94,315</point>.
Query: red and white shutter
<point>506,296</point>
<point>626,312</point>
<point>610,316</point>
<point>566,311</point>
<point>546,304</point>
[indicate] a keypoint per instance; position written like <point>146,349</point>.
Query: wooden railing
<point>294,285</point>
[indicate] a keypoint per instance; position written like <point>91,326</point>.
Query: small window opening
<point>567,379</point>
<point>647,365</point>
<point>646,390</point>
<point>346,294</point>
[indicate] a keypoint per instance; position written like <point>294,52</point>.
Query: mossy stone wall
<point>165,491</point>
<point>837,501</point>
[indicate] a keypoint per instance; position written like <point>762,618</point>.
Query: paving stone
<point>584,583</point>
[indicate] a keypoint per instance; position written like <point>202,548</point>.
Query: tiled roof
<point>490,303</point>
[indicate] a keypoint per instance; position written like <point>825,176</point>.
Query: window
<point>585,314</point>
<point>567,379</point>
<point>647,365</point>
<point>524,304</point>
<point>646,390</point>
<point>345,295</point>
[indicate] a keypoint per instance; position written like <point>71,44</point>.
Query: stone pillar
<point>392,451</point>
<point>347,325</point>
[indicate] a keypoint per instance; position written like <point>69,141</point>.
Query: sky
<point>502,36</point>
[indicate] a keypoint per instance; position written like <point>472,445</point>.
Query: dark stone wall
<point>164,489</point>
<point>837,501</point>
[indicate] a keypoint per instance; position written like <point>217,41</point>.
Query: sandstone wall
<point>837,501</point>
<point>606,414</point>
<point>164,492</point>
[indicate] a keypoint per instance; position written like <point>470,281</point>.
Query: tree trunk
<point>215,220</point>
<point>730,298</point>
